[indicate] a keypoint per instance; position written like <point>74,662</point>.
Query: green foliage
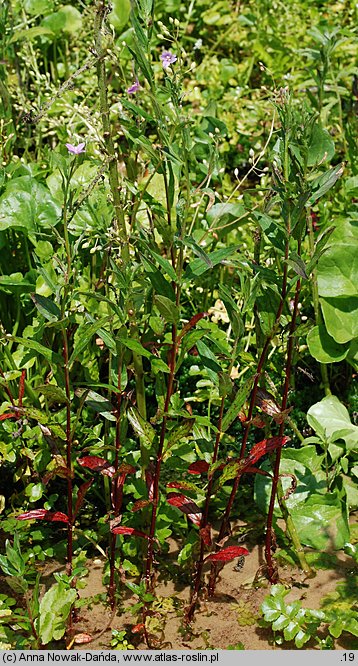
<point>198,248</point>
<point>298,624</point>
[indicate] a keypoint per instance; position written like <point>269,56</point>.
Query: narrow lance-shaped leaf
<point>266,402</point>
<point>140,504</point>
<point>81,495</point>
<point>187,506</point>
<point>227,554</point>
<point>137,348</point>
<point>238,467</point>
<point>122,473</point>
<point>141,427</point>
<point>97,464</point>
<point>129,531</point>
<point>191,323</point>
<point>324,183</point>
<point>199,467</point>
<point>179,433</point>
<point>237,404</point>
<point>46,307</point>
<point>10,415</point>
<point>42,514</point>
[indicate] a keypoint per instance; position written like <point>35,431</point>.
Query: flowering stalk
<point>101,13</point>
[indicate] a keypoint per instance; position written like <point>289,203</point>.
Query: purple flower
<point>168,58</point>
<point>133,88</point>
<point>75,150</point>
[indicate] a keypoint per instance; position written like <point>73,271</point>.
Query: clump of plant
<point>156,302</point>
<point>292,622</point>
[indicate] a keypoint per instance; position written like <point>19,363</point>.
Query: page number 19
<point>348,656</point>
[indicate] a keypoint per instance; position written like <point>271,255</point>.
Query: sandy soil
<point>227,619</point>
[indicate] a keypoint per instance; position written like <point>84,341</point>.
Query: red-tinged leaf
<point>97,464</point>
<point>11,415</point>
<point>258,422</point>
<point>267,402</point>
<point>280,418</point>
<point>22,387</point>
<point>116,521</point>
<point>81,639</point>
<point>42,514</point>
<point>227,554</point>
<point>81,495</point>
<point>129,531</point>
<point>205,534</point>
<point>262,448</point>
<point>138,628</point>
<point>193,322</point>
<point>198,467</point>
<point>125,468</point>
<point>61,471</point>
<point>140,504</point>
<point>122,472</point>
<point>185,505</point>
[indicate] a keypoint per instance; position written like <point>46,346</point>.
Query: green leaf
<point>338,271</point>
<point>120,13</point>
<point>54,609</point>
<point>267,307</point>
<point>324,348</point>
<point>142,428</point>
<point>298,265</point>
<point>324,183</point>
<point>48,354</point>
<point>322,522</point>
<point>180,432</point>
<point>163,262</point>
<point>46,307</point>
<point>200,266</point>
<point>167,309</point>
<point>160,284</point>
<point>272,230</point>
<point>99,404</point>
<point>30,34</point>
<point>209,361</point>
<point>16,283</point>
<point>28,205</point>
<point>136,347</point>
<point>321,148</point>
<point>84,335</point>
<point>227,215</point>
<point>340,317</point>
<point>72,19</point>
<point>330,419</point>
<point>239,400</point>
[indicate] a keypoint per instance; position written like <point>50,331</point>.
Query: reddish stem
<point>225,523</point>
<point>117,491</point>
<point>271,568</point>
<point>204,521</point>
